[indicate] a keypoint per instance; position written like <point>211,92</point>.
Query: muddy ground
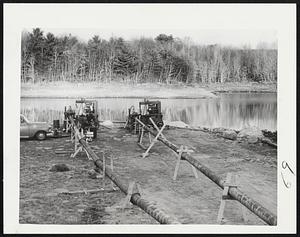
<point>190,200</point>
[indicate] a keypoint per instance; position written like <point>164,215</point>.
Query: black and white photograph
<point>137,115</point>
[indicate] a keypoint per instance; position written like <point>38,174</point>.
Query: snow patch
<point>107,123</point>
<point>177,124</point>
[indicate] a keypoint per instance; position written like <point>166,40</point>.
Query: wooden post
<point>103,174</point>
<point>177,165</point>
<point>126,202</point>
<point>112,169</point>
<point>150,139</point>
<point>87,154</point>
<point>230,182</point>
<point>180,151</point>
<point>68,127</point>
<point>141,135</point>
<point>136,127</point>
<point>76,140</point>
<point>132,189</point>
<point>77,146</point>
<point>224,198</point>
<point>194,171</point>
<point>127,120</point>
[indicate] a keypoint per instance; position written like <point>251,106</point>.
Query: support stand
<point>135,127</point>
<point>127,121</point>
<point>78,147</point>
<point>152,141</point>
<point>181,150</point>
<point>140,140</point>
<point>230,182</point>
<point>72,135</point>
<point>125,203</point>
<point>157,129</point>
<point>68,125</point>
<point>103,172</point>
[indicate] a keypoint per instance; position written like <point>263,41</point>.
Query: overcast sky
<point>226,24</point>
<point>237,38</point>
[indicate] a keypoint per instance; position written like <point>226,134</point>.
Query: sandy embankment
<point>157,90</point>
<point>68,90</point>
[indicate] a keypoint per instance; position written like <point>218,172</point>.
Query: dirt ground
<point>190,200</point>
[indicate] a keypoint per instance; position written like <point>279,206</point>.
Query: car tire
<point>41,135</point>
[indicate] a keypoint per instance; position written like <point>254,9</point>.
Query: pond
<point>229,110</point>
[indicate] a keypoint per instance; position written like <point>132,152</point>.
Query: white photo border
<point>279,17</point>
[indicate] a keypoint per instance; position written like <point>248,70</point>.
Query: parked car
<point>38,130</point>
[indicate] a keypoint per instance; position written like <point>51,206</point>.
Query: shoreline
<point>112,97</point>
<point>269,136</point>
<point>148,90</point>
<point>242,88</point>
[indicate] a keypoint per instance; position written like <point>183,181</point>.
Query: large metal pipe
<point>234,192</point>
<point>136,198</point>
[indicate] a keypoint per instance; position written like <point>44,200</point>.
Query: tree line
<point>164,59</point>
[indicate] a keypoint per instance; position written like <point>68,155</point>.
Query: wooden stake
<point>127,120</point>
<point>125,203</point>
<point>230,182</point>
<point>103,174</point>
<point>194,171</point>
<point>177,165</point>
<point>179,158</point>
<point>244,212</point>
<point>150,139</point>
<point>112,169</point>
<point>141,134</point>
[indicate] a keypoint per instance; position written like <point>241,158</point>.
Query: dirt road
<point>190,200</point>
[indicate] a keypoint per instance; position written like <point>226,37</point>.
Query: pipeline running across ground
<point>136,197</point>
<point>234,192</point>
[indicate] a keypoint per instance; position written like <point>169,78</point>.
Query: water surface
<point>230,110</point>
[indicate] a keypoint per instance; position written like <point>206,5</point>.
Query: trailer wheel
<point>40,135</point>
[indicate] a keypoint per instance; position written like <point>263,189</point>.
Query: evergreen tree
<point>163,59</point>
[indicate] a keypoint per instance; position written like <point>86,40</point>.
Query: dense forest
<point>165,59</point>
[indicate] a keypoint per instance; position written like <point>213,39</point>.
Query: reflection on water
<point>236,110</point>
